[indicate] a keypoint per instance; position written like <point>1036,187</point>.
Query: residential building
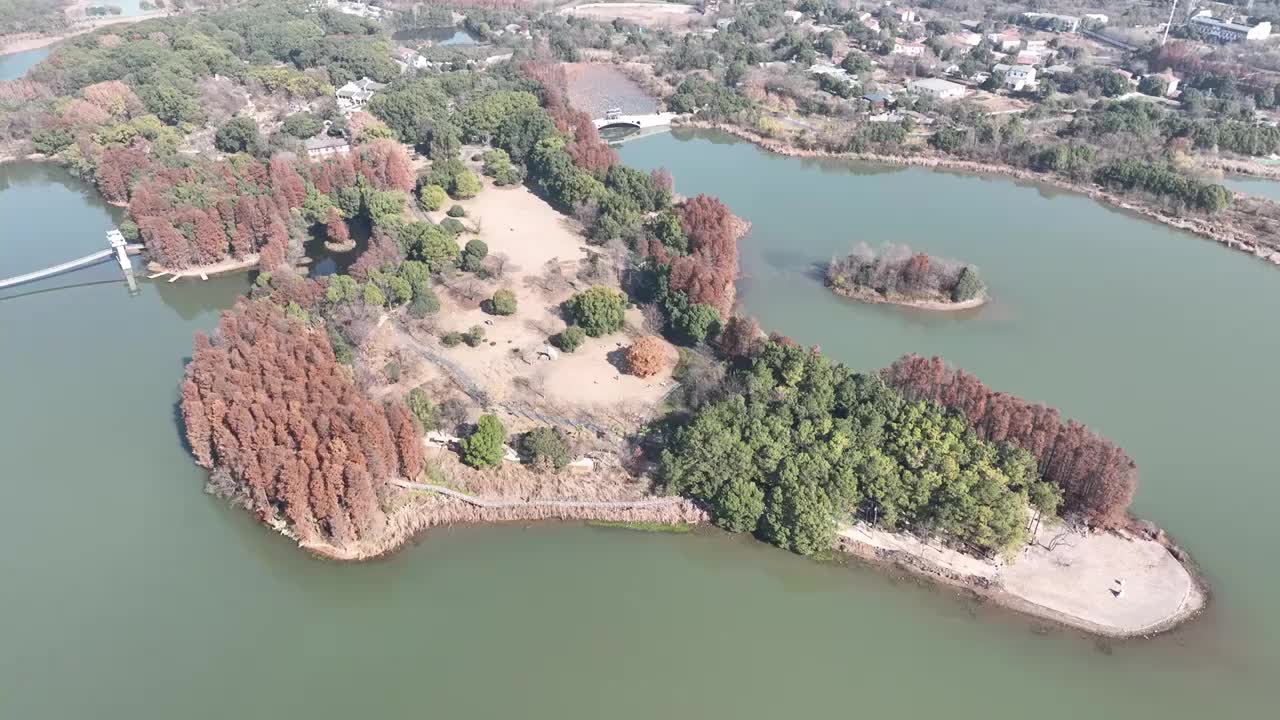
<point>1017,77</point>
<point>356,93</point>
<point>880,100</point>
<point>326,145</point>
<point>359,9</point>
<point>1006,41</point>
<point>1027,57</point>
<point>793,16</point>
<point>937,88</point>
<point>906,15</point>
<point>1210,28</point>
<point>966,37</point>
<point>1052,21</point>
<point>828,69</point>
<point>909,49</point>
<point>1171,82</point>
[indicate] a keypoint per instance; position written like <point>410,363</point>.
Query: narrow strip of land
<point>492,503</point>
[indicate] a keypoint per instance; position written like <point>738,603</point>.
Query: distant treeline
<point>896,272</point>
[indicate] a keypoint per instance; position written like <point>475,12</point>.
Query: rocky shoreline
<point>1230,236</point>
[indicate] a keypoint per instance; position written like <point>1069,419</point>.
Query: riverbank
<point>867,295</point>
<point>1236,233</point>
<point>23,42</point>
<point>1108,584</point>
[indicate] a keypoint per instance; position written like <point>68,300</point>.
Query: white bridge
<point>120,249</point>
<point>614,118</point>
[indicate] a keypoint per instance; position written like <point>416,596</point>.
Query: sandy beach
<point>1104,583</point>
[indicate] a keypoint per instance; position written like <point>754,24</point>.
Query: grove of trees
<point>1097,479</point>
<point>897,272</point>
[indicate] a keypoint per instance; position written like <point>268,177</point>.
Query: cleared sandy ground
<point>655,15</point>
<point>1075,583</point>
<point>543,254</point>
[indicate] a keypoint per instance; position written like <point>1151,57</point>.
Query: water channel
<point>128,593</point>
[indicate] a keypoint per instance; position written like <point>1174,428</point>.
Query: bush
<point>451,339</point>
<point>503,303</point>
<point>646,357</point>
<point>570,339</point>
<point>424,411</point>
<point>424,303</point>
<point>453,226</point>
<point>598,310</point>
<point>466,185</point>
<point>302,125</point>
<point>239,134</point>
<point>545,447</point>
<point>484,446</point>
<point>432,197</point>
<point>457,211</point>
<point>391,371</point>
<point>474,336</point>
<point>473,255</point>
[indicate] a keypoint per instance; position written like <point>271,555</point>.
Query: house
<point>909,49</point>
<point>828,69</point>
<point>356,93</point>
<point>1205,26</point>
<point>359,9</point>
<point>1051,21</point>
<point>1006,41</point>
<point>906,15</point>
<point>937,88</point>
<point>1027,57</point>
<point>1060,69</point>
<point>967,38</point>
<point>880,100</point>
<point>1017,77</point>
<point>1035,46</point>
<point>326,145</point>
<point>793,16</point>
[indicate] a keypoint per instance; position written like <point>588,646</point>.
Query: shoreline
<point>1191,603</point>
<point>872,297</point>
<point>1204,228</point>
<point>26,42</point>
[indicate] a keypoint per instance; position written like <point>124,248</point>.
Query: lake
<point>129,593</point>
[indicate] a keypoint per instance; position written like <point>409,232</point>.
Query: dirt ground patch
<point>652,15</point>
<point>541,257</point>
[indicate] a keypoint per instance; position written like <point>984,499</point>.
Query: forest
<point>285,433</point>
<point>895,272</point>
<point>791,443</point>
<point>1097,479</point>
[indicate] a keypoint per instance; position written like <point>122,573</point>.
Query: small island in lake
<point>896,275</point>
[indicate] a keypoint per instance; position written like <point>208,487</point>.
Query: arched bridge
<point>635,121</point>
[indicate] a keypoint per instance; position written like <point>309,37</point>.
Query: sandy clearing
<point>533,237</point>
<point>1073,583</point>
<point>666,15</point>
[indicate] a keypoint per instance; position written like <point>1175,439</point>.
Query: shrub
<point>483,448</point>
<point>302,125</point>
<point>570,339</point>
<point>545,447</point>
<point>646,357</point>
<point>598,310</point>
<point>457,211</point>
<point>239,134</point>
<point>474,336</point>
<point>453,226</point>
<point>392,371</point>
<point>424,411</point>
<point>503,303</point>
<point>466,185</point>
<point>432,197</point>
<point>451,339</point>
<point>473,255</point>
<point>424,303</point>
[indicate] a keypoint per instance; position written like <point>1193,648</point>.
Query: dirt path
<point>495,504</point>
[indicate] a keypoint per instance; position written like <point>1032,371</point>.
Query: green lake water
<point>128,593</point>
